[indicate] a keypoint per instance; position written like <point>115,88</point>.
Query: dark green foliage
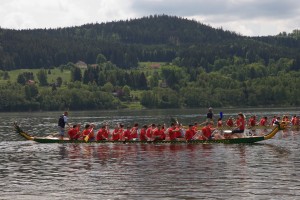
<point>42,77</point>
<point>202,66</point>
<point>5,75</point>
<point>125,43</point>
<point>101,59</point>
<point>31,91</point>
<point>25,77</point>
<point>76,74</point>
<point>21,79</point>
<point>59,81</point>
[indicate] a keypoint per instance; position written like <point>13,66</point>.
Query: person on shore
<point>62,121</point>
<point>74,132</point>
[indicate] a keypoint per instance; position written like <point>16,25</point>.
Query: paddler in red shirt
<point>173,132</point>
<point>116,134</point>
<point>126,134</point>
<point>143,133</point>
<point>102,134</point>
<point>195,127</point>
<point>88,131</point>
<point>149,132</point>
<point>207,131</point>
<point>263,121</point>
<point>134,132</point>
<point>240,122</point>
<point>273,120</point>
<point>74,133</point>
<point>190,133</point>
<point>158,133</point>
<point>229,122</point>
<point>252,121</point>
<point>219,123</point>
<point>293,120</point>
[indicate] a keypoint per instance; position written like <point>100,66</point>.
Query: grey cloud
<point>250,9</point>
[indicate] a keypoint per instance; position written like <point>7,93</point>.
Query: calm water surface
<point>28,170</point>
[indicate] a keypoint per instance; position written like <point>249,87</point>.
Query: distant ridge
<point>159,38</point>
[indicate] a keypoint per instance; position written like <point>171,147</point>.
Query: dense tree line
<point>105,86</point>
<point>201,66</point>
<point>125,43</point>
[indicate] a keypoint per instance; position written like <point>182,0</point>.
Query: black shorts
<point>237,131</point>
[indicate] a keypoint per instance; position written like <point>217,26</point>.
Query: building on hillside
<point>81,65</point>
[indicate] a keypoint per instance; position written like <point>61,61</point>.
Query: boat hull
<point>225,141</point>
<point>243,140</point>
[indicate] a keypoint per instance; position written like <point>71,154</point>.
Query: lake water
<point>29,170</point>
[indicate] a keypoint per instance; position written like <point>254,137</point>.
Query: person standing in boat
<point>62,121</point>
<point>240,126</point>
<point>210,114</point>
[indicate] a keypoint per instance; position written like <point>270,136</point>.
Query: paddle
<point>221,115</point>
<point>227,131</point>
<point>86,138</point>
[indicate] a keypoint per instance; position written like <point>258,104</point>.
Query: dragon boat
<point>243,140</point>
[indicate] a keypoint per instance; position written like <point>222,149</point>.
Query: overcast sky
<point>247,17</point>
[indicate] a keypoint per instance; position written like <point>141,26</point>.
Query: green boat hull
<point>244,140</point>
<point>225,141</point>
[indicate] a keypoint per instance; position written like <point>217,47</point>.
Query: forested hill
<point>125,43</point>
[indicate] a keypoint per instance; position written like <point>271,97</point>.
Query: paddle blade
<point>227,131</point>
<point>221,115</point>
<point>86,138</point>
<point>174,120</point>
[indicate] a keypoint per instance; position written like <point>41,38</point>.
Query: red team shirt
<point>102,134</point>
<point>240,123</point>
<point>73,133</point>
<point>189,134</point>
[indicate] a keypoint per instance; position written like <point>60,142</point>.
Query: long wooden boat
<point>248,139</point>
